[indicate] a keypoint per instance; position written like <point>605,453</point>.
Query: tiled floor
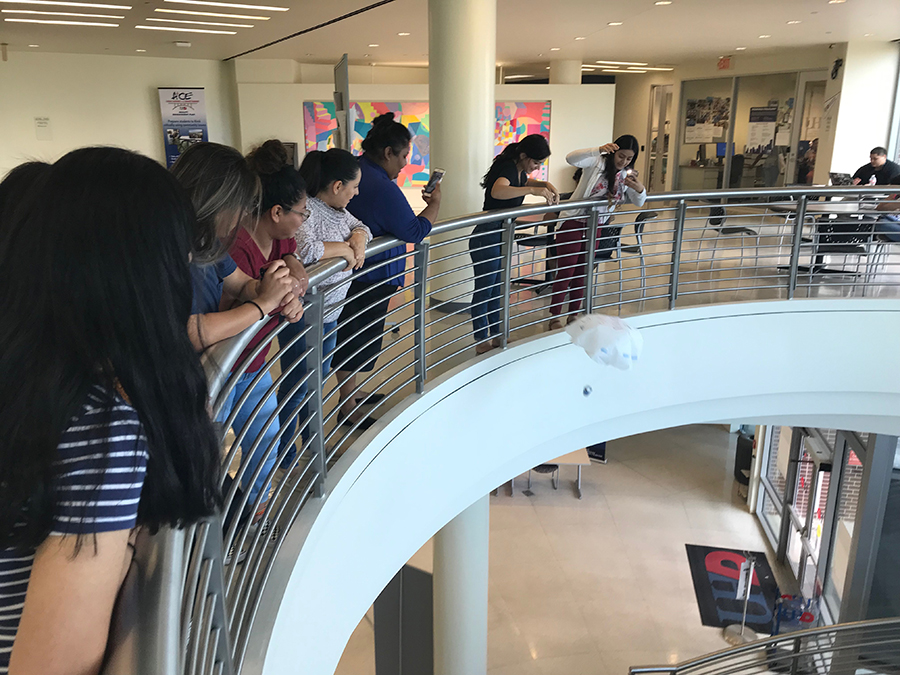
<point>594,586</point>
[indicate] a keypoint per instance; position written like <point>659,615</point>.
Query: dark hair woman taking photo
<point>102,398</point>
<point>505,185</point>
<point>608,176</point>
<point>384,209</point>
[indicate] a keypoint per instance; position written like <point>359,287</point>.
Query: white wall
<point>287,71</point>
<point>580,115</point>
<point>867,95</point>
<point>103,100</point>
<point>342,551</point>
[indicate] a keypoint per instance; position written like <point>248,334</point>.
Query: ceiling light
<point>374,45</point>
<point>77,14</point>
<point>620,70</point>
<point>403,34</point>
<point>614,23</point>
<point>188,30</point>
<point>205,23</point>
<point>213,14</point>
<point>836,2</point>
<point>140,51</point>
<point>663,2</point>
<point>581,38</point>
<point>208,3</point>
<point>622,63</point>
<point>764,37</point>
<point>554,49</point>
<point>655,68</point>
<point>792,23</point>
<point>516,77</point>
<point>868,34</point>
<point>588,67</point>
<point>740,49</point>
<point>34,46</point>
<point>62,23</point>
<point>64,4</point>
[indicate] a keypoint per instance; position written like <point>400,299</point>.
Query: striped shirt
<point>101,467</point>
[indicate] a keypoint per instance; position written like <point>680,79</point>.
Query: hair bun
<point>271,157</point>
<point>383,119</point>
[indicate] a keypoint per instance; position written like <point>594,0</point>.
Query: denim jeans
<point>889,227</point>
<point>293,354</point>
<point>261,453</point>
<point>485,252</point>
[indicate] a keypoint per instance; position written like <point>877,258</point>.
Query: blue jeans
<point>485,252</point>
<point>293,407</point>
<point>889,227</point>
<point>256,426</point>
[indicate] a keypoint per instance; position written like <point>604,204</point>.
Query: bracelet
<point>262,314</point>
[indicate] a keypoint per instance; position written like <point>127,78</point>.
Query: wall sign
<point>183,119</point>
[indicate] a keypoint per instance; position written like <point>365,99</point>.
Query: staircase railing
<point>868,646</point>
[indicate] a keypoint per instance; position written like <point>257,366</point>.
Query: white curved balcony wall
<point>820,362</point>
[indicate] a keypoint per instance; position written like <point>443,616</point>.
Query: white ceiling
<point>527,29</point>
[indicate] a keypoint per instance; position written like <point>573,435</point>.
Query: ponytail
<point>386,133</point>
<point>321,169</point>
<point>533,146</point>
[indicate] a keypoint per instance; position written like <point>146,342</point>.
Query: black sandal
<point>363,425</point>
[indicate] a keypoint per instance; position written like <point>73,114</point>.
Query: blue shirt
<point>381,205</point>
<point>206,282</point>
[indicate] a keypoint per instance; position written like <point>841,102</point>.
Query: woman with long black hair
<point>608,176</point>
<point>103,403</point>
<point>506,184</point>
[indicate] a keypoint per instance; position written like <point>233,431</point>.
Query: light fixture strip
<point>70,14</point>
<point>60,22</point>
<point>617,70</point>
<point>665,70</point>
<point>205,23</point>
<point>188,30</point>
<point>61,3</point>
<point>209,3</point>
<point>213,14</point>
<point>622,63</point>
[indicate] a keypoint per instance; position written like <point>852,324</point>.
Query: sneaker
<point>229,555</point>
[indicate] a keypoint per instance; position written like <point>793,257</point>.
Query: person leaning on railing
<point>382,206</point>
<point>332,180</point>
<point>263,246</point>
<point>224,190</point>
<point>608,177</point>
<point>506,184</point>
<point>103,414</point>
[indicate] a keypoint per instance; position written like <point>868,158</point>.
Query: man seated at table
<point>888,226</point>
<point>880,167</point>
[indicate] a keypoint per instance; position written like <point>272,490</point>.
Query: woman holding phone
<point>609,177</point>
<point>506,184</point>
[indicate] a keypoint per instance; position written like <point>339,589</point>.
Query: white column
<point>461,75</point>
<point>565,72</point>
<point>461,592</point>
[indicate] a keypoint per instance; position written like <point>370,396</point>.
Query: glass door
<point>706,116</point>
<point>657,156</point>
<point>809,128</point>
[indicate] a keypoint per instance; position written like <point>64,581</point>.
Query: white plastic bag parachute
<point>607,340</point>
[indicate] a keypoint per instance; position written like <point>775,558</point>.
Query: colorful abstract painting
<point>513,121</point>
<point>320,123</point>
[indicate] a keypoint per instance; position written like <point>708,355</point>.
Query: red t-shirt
<point>250,261</point>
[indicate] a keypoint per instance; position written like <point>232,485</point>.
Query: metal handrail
<point>834,641</point>
<point>671,273</point>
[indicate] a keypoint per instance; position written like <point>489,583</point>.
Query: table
<point>578,459</point>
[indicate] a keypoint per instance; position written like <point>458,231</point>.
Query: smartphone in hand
<point>436,177</point>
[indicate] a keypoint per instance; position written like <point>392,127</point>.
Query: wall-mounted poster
<point>183,119</point>
<point>761,130</point>
<point>513,121</point>
<point>706,119</point>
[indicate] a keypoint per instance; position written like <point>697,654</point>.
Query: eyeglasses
<point>305,213</point>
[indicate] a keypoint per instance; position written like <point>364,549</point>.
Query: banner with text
<point>183,119</point>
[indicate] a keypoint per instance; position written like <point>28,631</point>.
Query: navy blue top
<point>100,468</point>
<point>382,206</point>
<point>206,281</point>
